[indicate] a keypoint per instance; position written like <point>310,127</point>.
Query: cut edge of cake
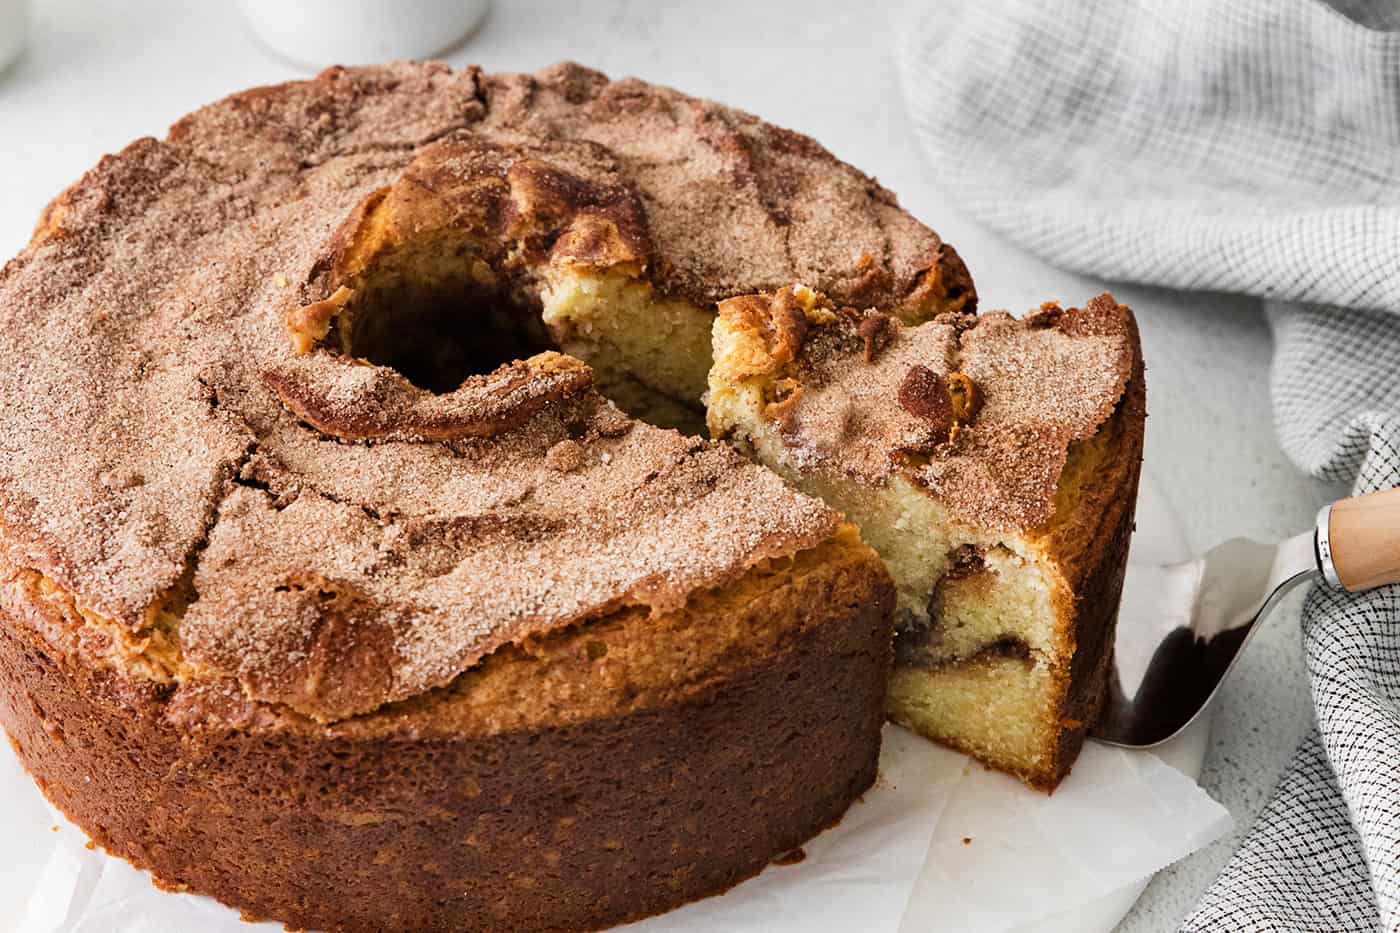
<point>1005,633</point>
<point>494,243</point>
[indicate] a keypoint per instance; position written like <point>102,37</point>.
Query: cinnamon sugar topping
<point>875,332</point>
<point>924,394</point>
<point>980,410</point>
<point>565,456</point>
<point>321,529</point>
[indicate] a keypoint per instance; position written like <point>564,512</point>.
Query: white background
<point>98,75</point>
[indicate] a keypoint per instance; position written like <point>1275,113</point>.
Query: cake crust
<point>275,571</point>
<point>154,298</point>
<point>457,810</point>
<point>840,381</point>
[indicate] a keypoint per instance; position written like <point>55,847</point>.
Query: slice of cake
<point>993,463</point>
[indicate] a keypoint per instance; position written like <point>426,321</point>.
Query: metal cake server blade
<point>1181,627</point>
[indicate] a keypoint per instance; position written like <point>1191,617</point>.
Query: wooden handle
<point>1365,538</point>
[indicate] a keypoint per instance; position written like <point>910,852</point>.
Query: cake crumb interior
<point>982,646</point>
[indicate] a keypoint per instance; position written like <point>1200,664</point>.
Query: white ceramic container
<point>319,33</point>
<point>14,29</point>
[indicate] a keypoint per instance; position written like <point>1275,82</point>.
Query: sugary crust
<point>855,392</point>
<point>1089,544</point>
<point>552,201</point>
<point>466,812</point>
<point>154,395</point>
<point>355,402</point>
<point>273,595</point>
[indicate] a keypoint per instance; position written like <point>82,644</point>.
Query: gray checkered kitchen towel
<point>1249,146</point>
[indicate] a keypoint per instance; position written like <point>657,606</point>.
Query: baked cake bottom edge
<point>434,814</point>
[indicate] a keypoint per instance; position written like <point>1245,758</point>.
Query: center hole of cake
<point>438,331</point>
<point>438,313</point>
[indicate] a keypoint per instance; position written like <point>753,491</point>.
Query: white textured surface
<point>95,76</point>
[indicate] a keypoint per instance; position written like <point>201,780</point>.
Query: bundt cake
<point>335,590</point>
<point>993,463</point>
<point>365,567</point>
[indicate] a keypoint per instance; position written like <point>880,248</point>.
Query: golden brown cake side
<point>1098,500</point>
<point>993,464</point>
<point>595,775</point>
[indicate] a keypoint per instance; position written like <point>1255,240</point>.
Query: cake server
<point>1169,664</point>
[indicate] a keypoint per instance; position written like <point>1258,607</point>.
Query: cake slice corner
<point>993,462</point>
